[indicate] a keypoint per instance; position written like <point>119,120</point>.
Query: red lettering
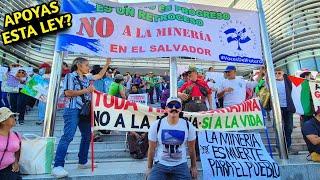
<point>150,109</point>
<point>113,48</point>
<point>207,52</point>
<point>228,109</point>
<point>104,27</point>
<point>95,93</point>
<point>87,26</point>
<point>133,104</point>
<point>117,105</point>
<point>249,105</point>
<point>317,94</point>
<point>105,101</point>
<point>256,106</point>
<point>234,107</point>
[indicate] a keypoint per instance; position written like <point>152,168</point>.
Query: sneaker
<point>309,157</point>
<point>39,123</point>
<point>86,166</point>
<point>21,123</point>
<point>292,151</point>
<point>59,172</point>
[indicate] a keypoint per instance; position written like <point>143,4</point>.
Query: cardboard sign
<point>166,29</point>
<point>3,71</point>
<point>112,113</point>
<point>226,155</point>
<point>138,98</point>
<point>36,87</point>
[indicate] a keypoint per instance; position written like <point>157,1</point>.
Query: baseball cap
<point>230,68</point>
<point>173,99</point>
<point>5,113</point>
<point>118,77</point>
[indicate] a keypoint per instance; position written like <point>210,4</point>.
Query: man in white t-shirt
<point>169,138</point>
<point>233,89</point>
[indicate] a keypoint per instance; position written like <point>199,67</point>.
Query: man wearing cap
<point>284,87</point>
<point>233,89</point>
<point>169,138</point>
<point>194,93</point>
<point>311,135</point>
<point>116,88</point>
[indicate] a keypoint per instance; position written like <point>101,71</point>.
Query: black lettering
<point>195,122</point>
<point>104,121</point>
<point>212,164</point>
<point>132,122</point>
<point>213,137</point>
<point>260,156</point>
<point>217,152</point>
<point>249,167</point>
<point>145,122</point>
<point>96,115</point>
<point>120,121</point>
<point>276,169</point>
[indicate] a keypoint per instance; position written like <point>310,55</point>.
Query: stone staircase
<point>113,159</point>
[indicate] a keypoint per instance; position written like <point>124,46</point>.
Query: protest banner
<point>138,98</point>
<point>226,155</point>
<point>36,87</point>
<point>3,71</point>
<point>164,29</point>
<point>10,84</point>
<point>112,113</point>
<point>315,91</point>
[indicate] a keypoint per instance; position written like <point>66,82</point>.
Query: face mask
<point>42,71</point>
<point>24,79</point>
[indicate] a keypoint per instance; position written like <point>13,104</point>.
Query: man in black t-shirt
<point>311,135</point>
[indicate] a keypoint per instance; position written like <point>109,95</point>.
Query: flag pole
<point>53,94</point>
<point>173,75</point>
<point>283,153</point>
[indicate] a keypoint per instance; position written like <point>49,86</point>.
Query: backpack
<point>180,116</point>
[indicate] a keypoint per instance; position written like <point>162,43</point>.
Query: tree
<point>239,36</point>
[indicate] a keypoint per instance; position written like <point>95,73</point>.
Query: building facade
<point>294,30</point>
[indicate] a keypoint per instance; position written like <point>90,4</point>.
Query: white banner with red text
<point>112,113</point>
<point>164,29</point>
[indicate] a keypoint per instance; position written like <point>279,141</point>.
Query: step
<point>296,167</point>
<point>100,154</point>
<point>108,145</point>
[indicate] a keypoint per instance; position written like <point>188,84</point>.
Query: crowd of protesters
<point>196,92</point>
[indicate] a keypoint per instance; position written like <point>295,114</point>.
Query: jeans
<point>7,174</point>
<point>287,119</point>
<point>161,172</point>
<point>158,93</point>
<point>5,101</point>
<point>150,92</point>
<point>41,110</point>
<point>13,101</point>
<point>71,121</point>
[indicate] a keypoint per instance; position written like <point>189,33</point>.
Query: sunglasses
<point>278,73</point>
<point>176,105</point>
<point>21,72</point>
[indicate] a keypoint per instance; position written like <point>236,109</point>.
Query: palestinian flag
<point>301,95</point>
